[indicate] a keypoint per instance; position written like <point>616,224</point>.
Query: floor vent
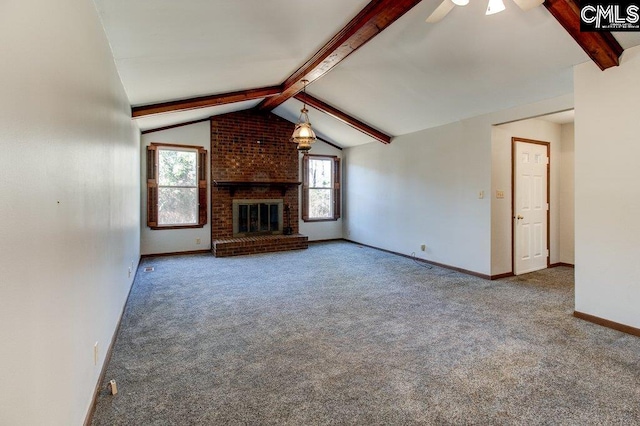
<point>149,269</point>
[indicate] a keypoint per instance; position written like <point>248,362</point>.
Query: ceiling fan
<point>494,6</point>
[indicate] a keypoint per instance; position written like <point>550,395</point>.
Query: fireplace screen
<point>257,217</point>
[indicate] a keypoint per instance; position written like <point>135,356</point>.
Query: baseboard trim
<point>103,372</point>
<point>176,253</point>
<point>607,323</point>
<point>430,262</point>
<point>568,265</point>
<point>505,275</point>
<point>327,240</point>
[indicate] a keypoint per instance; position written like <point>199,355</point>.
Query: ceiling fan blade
<point>528,4</point>
<point>441,11</point>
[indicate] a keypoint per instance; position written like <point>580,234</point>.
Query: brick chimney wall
<point>251,146</point>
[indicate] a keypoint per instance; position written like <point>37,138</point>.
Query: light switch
<point>481,195</point>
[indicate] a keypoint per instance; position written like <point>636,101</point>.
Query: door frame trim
<point>514,140</point>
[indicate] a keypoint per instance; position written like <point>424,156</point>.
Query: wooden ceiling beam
<point>345,118</point>
<point>329,143</point>
<point>174,126</point>
<point>205,101</point>
<point>371,20</point>
<point>601,47</point>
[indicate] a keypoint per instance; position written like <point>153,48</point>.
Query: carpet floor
<point>341,334</point>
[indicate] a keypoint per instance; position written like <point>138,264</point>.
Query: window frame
<point>153,184</point>
<point>335,193</point>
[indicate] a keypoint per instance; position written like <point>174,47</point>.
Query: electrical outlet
<point>423,247</point>
<point>95,354</point>
<point>197,240</point>
<point>499,194</point>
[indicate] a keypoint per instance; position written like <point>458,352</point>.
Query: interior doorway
<point>558,130</point>
<point>531,168</point>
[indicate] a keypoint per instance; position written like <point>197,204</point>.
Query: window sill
<point>157,228</point>
<point>321,220</point>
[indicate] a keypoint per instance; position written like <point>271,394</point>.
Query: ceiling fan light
<point>460,2</point>
<point>494,6</point>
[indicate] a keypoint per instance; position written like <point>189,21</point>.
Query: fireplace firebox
<point>257,217</point>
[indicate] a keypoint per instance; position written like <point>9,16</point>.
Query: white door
<point>530,207</point>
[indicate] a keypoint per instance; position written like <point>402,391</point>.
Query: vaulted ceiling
<point>411,76</point>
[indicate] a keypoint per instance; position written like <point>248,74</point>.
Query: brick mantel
<point>233,185</point>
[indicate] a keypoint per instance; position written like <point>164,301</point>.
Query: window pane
<point>177,206</point>
<point>320,204</point>
<point>320,173</point>
<point>177,168</point>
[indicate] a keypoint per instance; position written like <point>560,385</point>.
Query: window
<point>320,188</point>
<point>176,186</point>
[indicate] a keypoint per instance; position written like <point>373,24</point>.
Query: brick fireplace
<point>252,159</point>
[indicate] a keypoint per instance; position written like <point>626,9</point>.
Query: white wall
<point>329,230</point>
<point>423,188</point>
<point>154,241</point>
<point>567,195</point>
<point>501,214</point>
<point>607,188</point>
<point>69,203</point>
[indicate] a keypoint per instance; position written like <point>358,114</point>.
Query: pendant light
<point>303,134</point>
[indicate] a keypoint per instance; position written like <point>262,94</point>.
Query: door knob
<point>520,217</point>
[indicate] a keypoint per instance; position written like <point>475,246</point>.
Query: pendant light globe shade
<point>304,144</point>
<point>303,134</point>
<point>494,6</point>
<point>460,2</point>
